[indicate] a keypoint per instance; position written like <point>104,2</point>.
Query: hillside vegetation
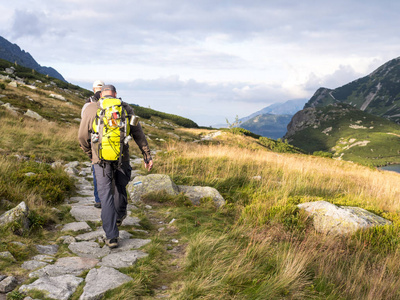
<point>348,133</point>
<point>258,246</point>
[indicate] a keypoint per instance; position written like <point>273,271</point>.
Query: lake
<point>394,168</point>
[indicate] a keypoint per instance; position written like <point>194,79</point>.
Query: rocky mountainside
<point>347,132</point>
<point>377,93</point>
<point>271,121</point>
<point>268,125</point>
<point>333,117</point>
<point>289,107</point>
<point>13,53</point>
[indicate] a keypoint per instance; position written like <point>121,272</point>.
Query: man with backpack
<point>104,134</point>
<point>97,85</point>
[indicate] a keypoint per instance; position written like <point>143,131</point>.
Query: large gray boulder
<point>99,281</point>
<point>340,220</point>
<point>18,213</point>
<point>151,183</point>
<point>196,193</point>
<point>59,287</point>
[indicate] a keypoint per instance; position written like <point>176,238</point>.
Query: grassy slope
<point>349,129</point>
<point>259,246</point>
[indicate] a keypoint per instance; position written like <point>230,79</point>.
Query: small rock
<point>66,239</point>
<point>13,84</point>
<point>19,212</point>
<point>131,221</point>
<point>7,255</point>
<point>8,284</point>
<point>34,115</point>
<point>175,241</point>
<point>72,164</point>
<point>196,193</point>
<point>47,249</point>
<point>89,249</point>
<point>148,207</point>
<point>59,97</point>
<point>161,229</point>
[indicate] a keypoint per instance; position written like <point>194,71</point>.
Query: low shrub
<point>323,154</point>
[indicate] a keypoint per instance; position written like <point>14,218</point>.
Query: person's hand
<point>149,165</point>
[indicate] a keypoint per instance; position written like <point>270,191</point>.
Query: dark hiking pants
<point>111,187</point>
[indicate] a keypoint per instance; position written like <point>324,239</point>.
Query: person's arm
<point>140,139</point>
<point>85,127</point>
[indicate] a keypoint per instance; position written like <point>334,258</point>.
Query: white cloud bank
<point>205,59</point>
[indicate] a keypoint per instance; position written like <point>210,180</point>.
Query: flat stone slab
<point>340,220</point>
<point>89,249</point>
<point>129,244</point>
<point>59,287</point>
<point>33,265</point>
<point>99,281</point>
<point>43,257</point>
<point>122,259</point>
<point>86,213</point>
<point>99,233</point>
<point>86,192</point>
<point>131,221</point>
<point>47,249</point>
<point>79,201</point>
<point>66,265</point>
<point>91,236</point>
<point>76,226</point>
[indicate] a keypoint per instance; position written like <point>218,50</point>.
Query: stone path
<point>58,278</point>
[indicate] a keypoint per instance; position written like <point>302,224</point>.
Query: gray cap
<point>108,87</point>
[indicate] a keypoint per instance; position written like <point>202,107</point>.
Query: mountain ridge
<point>327,121</point>
<point>13,53</point>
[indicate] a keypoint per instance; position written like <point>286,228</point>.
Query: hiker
<point>97,85</point>
<point>112,169</point>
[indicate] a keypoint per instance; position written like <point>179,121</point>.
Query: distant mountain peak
<point>13,53</point>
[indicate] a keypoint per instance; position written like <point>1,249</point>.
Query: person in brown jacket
<point>111,177</point>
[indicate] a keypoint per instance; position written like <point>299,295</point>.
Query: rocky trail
<point>59,274</point>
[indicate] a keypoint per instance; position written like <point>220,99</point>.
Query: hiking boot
<point>119,221</point>
<point>97,205</point>
<point>112,243</point>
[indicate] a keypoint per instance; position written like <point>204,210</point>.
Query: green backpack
<point>110,128</point>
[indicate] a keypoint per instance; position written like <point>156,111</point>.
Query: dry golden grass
<point>284,175</point>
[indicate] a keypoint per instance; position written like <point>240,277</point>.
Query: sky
<point>207,60</point>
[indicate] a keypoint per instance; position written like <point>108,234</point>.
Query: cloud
<point>26,23</point>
